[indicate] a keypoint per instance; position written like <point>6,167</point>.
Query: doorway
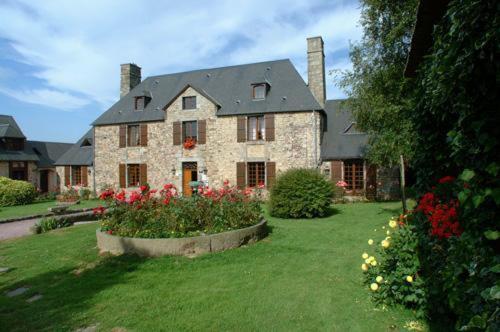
<point>189,174</point>
<point>44,181</point>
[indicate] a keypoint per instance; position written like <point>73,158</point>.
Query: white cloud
<point>51,98</point>
<point>78,45</point>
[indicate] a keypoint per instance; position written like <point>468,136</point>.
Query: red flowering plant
<point>165,213</point>
<point>189,143</point>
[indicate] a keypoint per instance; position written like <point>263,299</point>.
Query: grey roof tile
<point>9,127</point>
<point>80,153</point>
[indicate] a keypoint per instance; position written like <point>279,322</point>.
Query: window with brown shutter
<point>133,175</point>
<point>85,179</point>
<point>144,134</point>
<point>256,128</point>
<point>202,131</point>
<point>241,129</point>
<point>270,173</point>
<point>256,174</point>
<point>241,175</point>
<point>177,138</point>
<point>269,120</point>
<point>143,174</point>
<point>190,130</point>
<point>133,135</point>
<point>123,177</point>
<point>123,136</point>
<point>67,175</point>
<point>76,175</point>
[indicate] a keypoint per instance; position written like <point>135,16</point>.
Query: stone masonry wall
<point>294,146</point>
<point>60,178</point>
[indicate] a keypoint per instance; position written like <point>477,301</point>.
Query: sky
<point>60,60</point>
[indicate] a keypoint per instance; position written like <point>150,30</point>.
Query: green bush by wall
<point>14,192</point>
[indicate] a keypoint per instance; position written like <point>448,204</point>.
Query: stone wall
<point>4,168</point>
<point>295,145</point>
<point>60,178</point>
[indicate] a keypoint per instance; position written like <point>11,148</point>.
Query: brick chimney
<point>316,69</point>
<point>130,77</point>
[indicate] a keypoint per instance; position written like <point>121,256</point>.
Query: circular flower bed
<point>152,214</point>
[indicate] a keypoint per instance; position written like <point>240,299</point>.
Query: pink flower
<point>341,184</point>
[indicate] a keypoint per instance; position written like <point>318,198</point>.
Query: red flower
<point>98,210</point>
<point>106,194</point>
<point>446,179</point>
<point>144,188</point>
<point>189,143</point>
<point>110,232</point>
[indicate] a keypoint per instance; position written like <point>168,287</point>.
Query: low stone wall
<point>188,246</point>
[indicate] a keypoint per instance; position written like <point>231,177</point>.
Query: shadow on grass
<point>332,211</point>
<point>67,293</point>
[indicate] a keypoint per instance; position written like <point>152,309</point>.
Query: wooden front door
<point>189,174</point>
<point>44,181</point>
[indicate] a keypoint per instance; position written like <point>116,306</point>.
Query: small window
<point>86,142</point>
<point>141,102</point>
<point>189,130</point>
<point>133,175</point>
<point>256,128</point>
<point>259,91</point>
<point>189,103</point>
<point>19,170</point>
<point>133,135</point>
<point>256,174</point>
<point>76,175</point>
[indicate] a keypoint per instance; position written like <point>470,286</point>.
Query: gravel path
<point>15,229</point>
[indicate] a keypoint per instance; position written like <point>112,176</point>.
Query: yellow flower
<point>370,241</point>
<point>367,261</point>
<point>371,258</point>
<point>393,223</point>
<point>385,244</point>
<point>388,232</point>
<point>374,263</point>
<point>409,279</point>
<point>374,286</point>
<point>383,227</point>
<point>365,255</point>
<point>379,279</point>
<point>364,267</point>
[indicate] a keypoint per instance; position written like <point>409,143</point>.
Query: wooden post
<point>402,182</point>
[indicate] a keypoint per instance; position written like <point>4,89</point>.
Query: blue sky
<point>60,60</point>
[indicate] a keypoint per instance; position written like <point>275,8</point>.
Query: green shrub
<point>14,192</point>
<point>301,193</point>
<point>148,214</point>
<point>49,223</point>
<point>85,193</point>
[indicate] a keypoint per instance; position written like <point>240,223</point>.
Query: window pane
<point>189,103</point>
<point>354,174</point>
<point>133,174</point>
<point>252,128</point>
<point>190,130</point>
<point>256,174</point>
<point>262,128</point>
<point>133,135</point>
<point>259,91</point>
<point>76,175</point>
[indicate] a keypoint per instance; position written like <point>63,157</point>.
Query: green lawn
<point>39,208</point>
<point>305,276</point>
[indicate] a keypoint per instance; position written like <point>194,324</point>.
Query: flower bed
<point>147,213</point>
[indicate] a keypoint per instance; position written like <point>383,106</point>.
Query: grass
<point>39,208</point>
<point>305,276</point>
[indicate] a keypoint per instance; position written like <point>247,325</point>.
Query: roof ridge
<point>216,68</point>
<point>49,142</point>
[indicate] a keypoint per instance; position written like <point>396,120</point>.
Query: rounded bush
<point>301,193</point>
<point>14,192</point>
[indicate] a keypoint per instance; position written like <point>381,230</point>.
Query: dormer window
<point>259,91</point>
<point>189,103</point>
<point>141,102</point>
<point>86,142</point>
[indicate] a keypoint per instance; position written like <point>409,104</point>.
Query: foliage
<point>50,223</point>
<point>85,193</point>
<point>378,93</point>
<point>300,193</point>
<point>150,214</point>
<point>14,192</point>
<point>393,276</point>
<point>456,120</point>
<point>46,197</point>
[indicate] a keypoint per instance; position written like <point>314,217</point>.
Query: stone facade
<point>316,69</point>
<point>60,175</point>
<point>296,144</point>
<point>34,175</point>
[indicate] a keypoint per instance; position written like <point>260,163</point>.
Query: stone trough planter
<point>188,246</point>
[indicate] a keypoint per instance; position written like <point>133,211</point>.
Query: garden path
<point>15,229</point>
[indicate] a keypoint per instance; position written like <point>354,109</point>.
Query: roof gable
<point>9,127</point>
<point>79,153</point>
<point>200,91</point>
<point>230,88</point>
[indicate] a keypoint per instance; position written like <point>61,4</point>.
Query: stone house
<point>75,166</point>
<point>244,123</point>
<point>32,161</point>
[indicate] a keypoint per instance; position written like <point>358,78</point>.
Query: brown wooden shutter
<point>85,178</point>
<point>123,178</point>
<point>123,136</point>
<point>144,134</point>
<point>177,133</point>
<point>67,172</point>
<point>202,131</point>
<point>242,130</point>
<point>336,171</point>
<point>270,173</point>
<point>269,120</point>
<point>371,182</point>
<point>143,174</point>
<point>241,170</point>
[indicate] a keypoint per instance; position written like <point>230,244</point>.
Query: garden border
<point>187,246</point>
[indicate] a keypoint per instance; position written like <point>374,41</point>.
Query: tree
<point>378,93</point>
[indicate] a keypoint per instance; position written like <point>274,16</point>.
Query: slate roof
<point>341,140</point>
<point>9,127</point>
<point>44,153</point>
<point>79,153</point>
<point>229,86</point>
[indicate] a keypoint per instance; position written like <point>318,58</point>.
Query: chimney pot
<point>130,77</point>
